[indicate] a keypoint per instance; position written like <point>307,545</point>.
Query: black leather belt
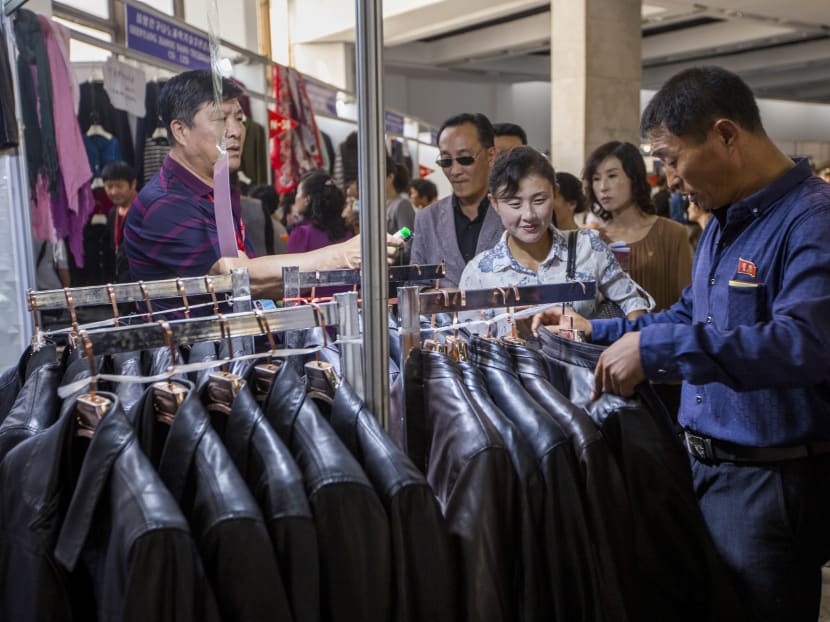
<point>712,450</point>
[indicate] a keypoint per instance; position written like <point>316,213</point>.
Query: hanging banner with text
<point>125,86</point>
<point>394,123</point>
<point>323,98</point>
<point>165,40</point>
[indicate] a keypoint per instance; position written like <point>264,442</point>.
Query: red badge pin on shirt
<point>747,267</point>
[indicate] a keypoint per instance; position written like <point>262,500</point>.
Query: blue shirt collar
<point>758,203</point>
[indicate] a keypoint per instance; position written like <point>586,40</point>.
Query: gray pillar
<point>595,81</point>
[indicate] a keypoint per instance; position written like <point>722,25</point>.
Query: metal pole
<point>372,185</point>
<point>409,326</point>
<point>351,355</point>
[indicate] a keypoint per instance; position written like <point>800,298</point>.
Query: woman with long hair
<point>620,196</point>
<point>323,205</point>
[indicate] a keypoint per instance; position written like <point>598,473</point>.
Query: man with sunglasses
<point>458,227</point>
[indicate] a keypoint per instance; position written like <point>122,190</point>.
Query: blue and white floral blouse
<point>594,262</point>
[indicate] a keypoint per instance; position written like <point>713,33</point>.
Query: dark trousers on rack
<point>770,525</point>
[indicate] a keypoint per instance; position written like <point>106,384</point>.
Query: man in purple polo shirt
<point>171,228</point>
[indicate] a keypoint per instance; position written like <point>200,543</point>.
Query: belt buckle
<point>700,447</point>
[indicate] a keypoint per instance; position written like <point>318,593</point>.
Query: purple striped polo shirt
<point>170,229</point>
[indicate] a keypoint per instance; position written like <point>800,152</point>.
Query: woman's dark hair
<point>326,203</point>
<point>484,129</point>
<point>633,166</point>
<point>692,100</point>
<point>425,188</point>
<point>514,165</point>
<point>570,188</point>
<point>270,201</point>
<point>268,195</point>
<point>401,179</point>
<point>182,95</point>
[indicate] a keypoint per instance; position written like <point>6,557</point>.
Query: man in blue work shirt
<point>749,338</point>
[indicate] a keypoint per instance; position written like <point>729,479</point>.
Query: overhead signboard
<point>166,40</point>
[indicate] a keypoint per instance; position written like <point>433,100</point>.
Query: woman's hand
<point>557,318</point>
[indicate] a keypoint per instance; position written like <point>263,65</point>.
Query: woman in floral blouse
<point>532,251</point>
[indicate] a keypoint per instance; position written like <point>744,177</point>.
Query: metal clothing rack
<point>412,304</point>
<point>236,283</point>
<point>294,281</point>
<point>352,354</point>
<point>341,313</point>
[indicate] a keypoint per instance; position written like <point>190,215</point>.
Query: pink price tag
<point>222,207</point>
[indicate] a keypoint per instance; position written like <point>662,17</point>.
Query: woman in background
<point>569,201</point>
<point>323,205</point>
<point>620,196</point>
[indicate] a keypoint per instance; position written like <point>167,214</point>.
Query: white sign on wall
<point>125,86</point>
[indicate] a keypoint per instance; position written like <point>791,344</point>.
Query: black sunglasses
<point>446,162</point>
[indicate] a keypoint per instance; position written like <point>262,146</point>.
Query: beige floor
<point>824,612</point>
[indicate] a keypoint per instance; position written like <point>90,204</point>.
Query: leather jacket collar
<point>112,434</point>
<point>35,408</point>
<point>174,446</point>
<point>286,397</point>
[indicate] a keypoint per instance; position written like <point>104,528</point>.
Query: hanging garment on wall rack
<point>9,134</point>
<point>254,162</point>
<point>35,81</point>
<point>95,107</point>
<point>295,149</point>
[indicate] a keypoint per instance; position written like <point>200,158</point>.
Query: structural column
<point>595,55</point>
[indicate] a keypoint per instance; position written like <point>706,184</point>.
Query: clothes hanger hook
<point>147,302</point>
<point>183,294</point>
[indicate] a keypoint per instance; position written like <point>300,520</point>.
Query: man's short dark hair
<point>118,169</point>
<point>510,129</point>
<point>183,95</point>
<point>692,100</point>
<point>425,188</point>
<point>486,135</point>
<point>514,165</point>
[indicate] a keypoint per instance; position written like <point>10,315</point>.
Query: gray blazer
<point>435,240</point>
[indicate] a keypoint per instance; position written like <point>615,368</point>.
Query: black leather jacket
<point>223,516</point>
<point>89,532</point>
<point>11,380</point>
<point>535,598</point>
<point>679,574</point>
<point>352,528</point>
<point>471,473</point>
<point>421,558</point>
<point>277,484</point>
<point>570,557</point>
<point>34,410</point>
<point>609,513</point>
